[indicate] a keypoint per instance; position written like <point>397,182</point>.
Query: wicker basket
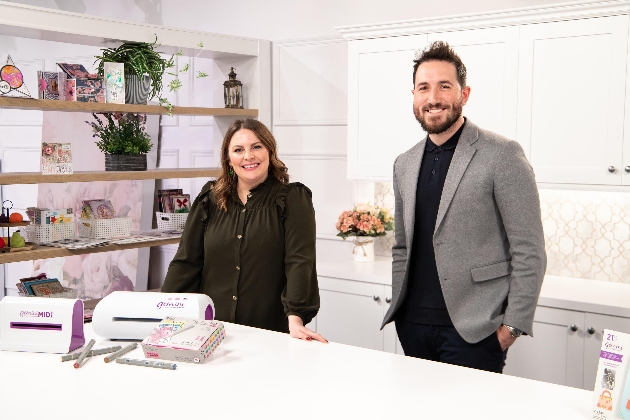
<point>67,294</point>
<point>104,228</point>
<point>171,220</point>
<point>41,234</point>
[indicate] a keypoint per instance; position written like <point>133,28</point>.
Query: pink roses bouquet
<point>364,220</point>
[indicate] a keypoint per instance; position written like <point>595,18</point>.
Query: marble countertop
<point>602,297</point>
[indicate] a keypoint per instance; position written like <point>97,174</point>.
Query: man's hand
<point>505,338</point>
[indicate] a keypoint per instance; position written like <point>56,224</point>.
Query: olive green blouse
<point>256,261</point>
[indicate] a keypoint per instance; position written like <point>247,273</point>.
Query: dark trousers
<point>444,344</point>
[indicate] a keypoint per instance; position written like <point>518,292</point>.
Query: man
<point>469,258</point>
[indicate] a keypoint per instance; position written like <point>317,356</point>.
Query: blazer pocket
<point>491,271</point>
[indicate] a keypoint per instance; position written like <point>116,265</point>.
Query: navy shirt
<point>424,303</point>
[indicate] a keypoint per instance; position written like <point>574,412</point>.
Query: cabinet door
<point>351,312</point>
<point>491,59</point>
<point>595,325</point>
<point>555,353</point>
<point>571,92</point>
<point>381,124</point>
<point>391,342</point>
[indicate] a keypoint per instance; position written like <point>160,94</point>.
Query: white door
<point>381,124</point>
<point>555,353</point>
<point>571,94</point>
<point>491,60</point>
<point>351,312</point>
<point>595,325</point>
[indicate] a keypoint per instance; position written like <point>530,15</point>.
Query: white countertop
<point>260,374</point>
<point>602,297</point>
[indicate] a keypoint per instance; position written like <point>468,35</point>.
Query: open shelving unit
<point>253,57</point>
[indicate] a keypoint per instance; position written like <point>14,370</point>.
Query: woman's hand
<point>298,330</point>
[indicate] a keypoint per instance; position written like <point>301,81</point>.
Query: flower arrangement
<point>122,134</point>
<point>364,220</point>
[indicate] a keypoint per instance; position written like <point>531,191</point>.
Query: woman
<point>249,241</point>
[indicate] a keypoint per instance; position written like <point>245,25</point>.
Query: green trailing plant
<point>141,58</point>
<point>121,133</point>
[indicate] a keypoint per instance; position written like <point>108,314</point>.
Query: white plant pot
<point>363,249</point>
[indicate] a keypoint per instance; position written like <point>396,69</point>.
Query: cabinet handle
<point>627,169</point>
<point>573,327</point>
<point>612,169</point>
<point>388,300</point>
<point>590,330</point>
<point>376,298</point>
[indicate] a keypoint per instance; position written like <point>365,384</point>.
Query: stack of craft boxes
<point>80,85</point>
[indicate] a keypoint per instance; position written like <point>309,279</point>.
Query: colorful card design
<point>29,284</point>
<point>12,80</point>
<point>47,288</point>
<point>165,202</point>
<point>56,158</point>
<point>74,71</point>
<point>90,90</point>
<point>101,209</point>
<point>181,203</point>
<point>114,76</point>
<point>70,90</point>
<point>48,87</point>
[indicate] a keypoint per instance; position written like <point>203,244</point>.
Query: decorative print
<point>48,85</point>
<point>114,83</point>
<point>12,80</point>
<point>587,233</point>
<point>56,158</point>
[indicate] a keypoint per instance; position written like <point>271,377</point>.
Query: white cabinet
<point>571,95</point>
<point>351,313</point>
<point>565,347</point>
<point>381,124</point>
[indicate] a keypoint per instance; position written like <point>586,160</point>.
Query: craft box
<point>43,216</point>
<point>90,90</point>
<point>41,325</point>
<point>184,340</point>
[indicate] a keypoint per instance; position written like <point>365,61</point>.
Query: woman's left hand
<point>298,330</point>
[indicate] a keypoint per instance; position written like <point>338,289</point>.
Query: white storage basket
<point>104,228</point>
<point>171,220</point>
<point>68,293</point>
<point>41,234</point>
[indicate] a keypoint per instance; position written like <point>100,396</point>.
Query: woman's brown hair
<point>222,189</point>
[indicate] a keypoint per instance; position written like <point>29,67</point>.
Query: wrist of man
<point>515,332</point>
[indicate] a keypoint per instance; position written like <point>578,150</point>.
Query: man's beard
<point>438,128</point>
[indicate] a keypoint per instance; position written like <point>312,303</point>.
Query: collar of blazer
<point>464,153</point>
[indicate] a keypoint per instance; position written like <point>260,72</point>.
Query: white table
<point>260,374</point>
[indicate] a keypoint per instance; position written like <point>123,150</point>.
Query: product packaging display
<point>42,325</point>
<point>132,315</point>
<point>611,376</point>
<point>183,339</point>
<point>56,158</point>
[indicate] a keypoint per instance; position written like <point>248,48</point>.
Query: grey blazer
<point>488,239</point>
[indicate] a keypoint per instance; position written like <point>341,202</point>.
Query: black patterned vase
<point>125,162</point>
<point>137,89</point>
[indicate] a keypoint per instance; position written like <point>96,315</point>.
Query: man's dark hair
<point>441,51</point>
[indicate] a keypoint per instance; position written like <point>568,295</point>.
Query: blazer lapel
<point>410,185</point>
<point>464,153</point>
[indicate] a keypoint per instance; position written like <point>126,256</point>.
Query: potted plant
<point>123,139</point>
<point>141,59</point>
<point>144,68</point>
<point>364,222</point>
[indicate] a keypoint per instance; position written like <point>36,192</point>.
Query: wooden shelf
<point>42,252</point>
<point>14,224</point>
<point>73,106</point>
<point>9,178</point>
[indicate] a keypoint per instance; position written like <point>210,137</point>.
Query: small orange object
<point>15,218</point>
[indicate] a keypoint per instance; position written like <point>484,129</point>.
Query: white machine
<point>132,315</point>
<point>42,325</point>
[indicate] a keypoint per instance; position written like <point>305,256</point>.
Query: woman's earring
<point>231,171</point>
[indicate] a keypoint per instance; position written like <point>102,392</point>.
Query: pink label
<point>153,354</point>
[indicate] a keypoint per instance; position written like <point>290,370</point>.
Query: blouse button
<point>238,268</point>
<point>243,210</point>
<point>239,236</point>
<point>249,196</point>
<point>234,297</point>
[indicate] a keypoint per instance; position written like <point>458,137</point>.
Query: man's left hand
<point>505,338</point>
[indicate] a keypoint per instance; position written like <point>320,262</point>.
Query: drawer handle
<point>573,327</point>
<point>388,300</point>
<point>590,330</point>
<point>376,298</point>
<point>612,169</point>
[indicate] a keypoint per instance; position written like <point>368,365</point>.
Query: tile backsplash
<point>587,233</point>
